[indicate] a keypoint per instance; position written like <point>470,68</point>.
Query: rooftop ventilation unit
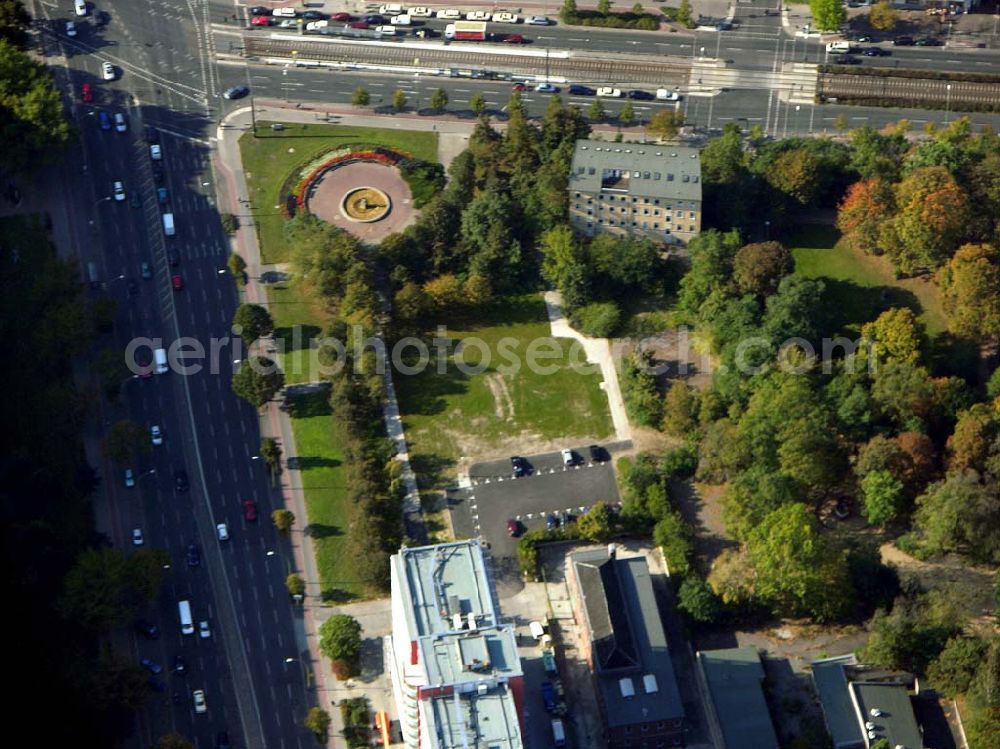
<point>471,619</point>
<point>456,621</point>
<point>625,685</point>
<point>482,688</point>
<point>649,684</point>
<point>875,712</point>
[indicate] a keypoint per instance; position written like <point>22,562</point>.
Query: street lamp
<point>796,119</point>
<point>947,106</point>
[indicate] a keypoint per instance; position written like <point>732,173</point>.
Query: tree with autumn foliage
<point>975,443</point>
<point>971,289</point>
<point>896,335</point>
<point>861,214</point>
<point>883,16</point>
<point>933,211</point>
<point>796,173</point>
<point>759,267</point>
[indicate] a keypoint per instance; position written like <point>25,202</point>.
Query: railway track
<point>892,89</point>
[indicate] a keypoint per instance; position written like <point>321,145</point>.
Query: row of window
<point>625,198</point>
<point>645,225</point>
<point>645,211</point>
<point>626,174</point>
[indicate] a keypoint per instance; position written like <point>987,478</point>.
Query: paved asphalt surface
<point>165,55</point>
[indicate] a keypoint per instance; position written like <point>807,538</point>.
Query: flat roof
<point>888,709</point>
<point>734,677</point>
<point>655,171</point>
<point>486,718</point>
<point>834,696</point>
<point>470,656</point>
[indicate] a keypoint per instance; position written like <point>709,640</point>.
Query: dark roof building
<point>627,650</point>
<point>862,704</point>
<point>737,711</point>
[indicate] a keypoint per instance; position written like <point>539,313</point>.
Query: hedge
<point>641,21</point>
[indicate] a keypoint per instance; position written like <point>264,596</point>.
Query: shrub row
<point>879,101</point>
<point>641,21</point>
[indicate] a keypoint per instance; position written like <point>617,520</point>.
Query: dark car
<point>152,134</point>
<point>180,667</point>
<point>314,15</point>
<point>260,10</point>
<point>193,556</point>
<point>181,480</point>
<point>235,92</point>
<point>105,119</point>
<point>548,696</point>
<point>375,20</point>
<point>513,527</point>
<point>581,90</point>
<point>358,24</point>
<point>515,39</point>
<point>903,41</point>
<point>929,41</point>
<point>341,17</point>
<point>551,522</point>
<point>875,52</point>
<point>103,18</point>
<point>597,454</point>
<point>147,629</point>
<point>846,60</point>
<point>152,666</point>
<point>641,95</point>
<point>250,510</point>
<point>518,465</point>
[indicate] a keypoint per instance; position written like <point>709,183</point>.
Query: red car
<point>341,17</point>
<point>518,87</point>
<point>87,92</point>
<point>514,39</point>
<point>177,282</point>
<point>249,510</point>
<point>359,25</point>
<point>260,21</point>
<point>513,527</point>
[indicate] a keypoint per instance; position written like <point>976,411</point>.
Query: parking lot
<point>549,487</point>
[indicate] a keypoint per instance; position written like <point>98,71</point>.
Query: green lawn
<point>451,415</point>
<point>296,323</point>
<point>859,287</point>
<point>271,159</point>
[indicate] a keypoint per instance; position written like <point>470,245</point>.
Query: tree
<point>604,7</point>
<point>399,100</point>
<point>439,100</point>
<point>882,494</point>
<point>665,123</point>
<point>477,103</point>
<point>317,720</point>
<point>598,319</point>
<point>955,667</point>
<point>732,578</point>
<point>14,22</point>
<point>637,9</point>
<point>671,534</point>
<point>840,123</point>
<point>642,401</point>
<point>828,15</point>
<point>340,639</point>
<point>697,599</point>
<point>595,524</point>
<point>627,114</point>
<point>758,268</point>
<point>283,520</point>
<point>680,410</point>
<point>295,586</point>
<point>860,215</point>
<point>35,127</point>
<point>960,514</point>
<point>110,368</point>
<point>795,568</point>
<point>883,16</point>
<point>560,254</point>
<point>797,173</point>
<point>257,380</point>
<point>361,97</point>
<point>93,593</point>
<point>970,283</point>
<point>568,11</point>
<point>684,13</point>
<point>910,636</point>
<point>895,336</point>
<point>125,441</point>
<point>596,111</point>
<point>444,292</point>
<point>251,322</point>
<point>976,438</point>
<point>270,451</point>
<point>237,267</point>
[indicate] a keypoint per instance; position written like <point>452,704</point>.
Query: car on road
<point>155,435</point>
<point>504,18</point>
<point>314,15</point>
<point>665,94</point>
<point>421,11</point>
<point>180,667</point>
<point>156,152</point>
<point>120,124</point>
<point>614,93</point>
<point>151,134</point>
<point>172,255</point>
<point>641,95</point>
<point>204,631</point>
<point>514,39</point>
<point>147,629</point>
<point>193,556</point>
<point>548,696</point>
<point>107,71</point>
<point>341,17</point>
<point>137,539</point>
<point>260,21</point>
<point>181,480</point>
<point>177,282</point>
<point>547,88</point>
<point>846,60</point>
<point>70,28</point>
<point>235,92</point>
<point>538,21</point>
<point>249,510</point>
<point>568,458</point>
<point>359,24</point>
<point>513,527</point>
<point>450,14</point>
<point>162,195</point>
<point>260,10</point>
<point>284,12</point>
<point>129,478</point>
<point>119,190</point>
<point>903,41</point>
<point>222,531</point>
<point>518,465</point>
<point>551,522</point>
<point>152,666</point>
<point>724,26</point>
<point>518,87</point>
<point>876,52</point>
<point>145,270</point>
<point>198,695</point>
<point>86,93</point>
<point>316,25</point>
<point>578,90</point>
<point>598,454</point>
<point>929,41</point>
<point>375,20</point>
<point>104,119</point>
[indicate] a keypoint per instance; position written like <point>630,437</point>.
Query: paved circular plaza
<point>328,195</point>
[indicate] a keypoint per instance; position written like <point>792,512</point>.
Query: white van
<point>402,20</point>
<point>187,625</point>
<point>665,94</point>
<point>558,732</point>
<point>160,357</point>
<point>386,30</point>
<point>390,10</point>
<point>838,47</point>
<point>81,7</point>
<point>168,224</point>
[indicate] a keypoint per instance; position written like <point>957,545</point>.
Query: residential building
<point>626,649</point>
<point>632,188</point>
<point>456,676</point>
<point>732,681</point>
<point>863,704</point>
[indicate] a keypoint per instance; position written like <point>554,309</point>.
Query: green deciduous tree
<point>14,22</point>
<point>758,268</point>
<point>596,111</point>
<point>399,100</point>
<point>595,524</point>
<point>295,585</point>
<point>883,495</point>
<point>896,336</point>
<point>883,16</point>
<point>477,103</point>
<point>604,6</point>
<point>125,440</point>
<point>665,123</point>
<point>797,173</point>
<point>828,15</point>
<point>237,267</point>
<point>697,599</point>
<point>340,638</point>
<point>251,322</point>
<point>975,443</point>
<point>283,520</point>
<point>439,100</point>
<point>317,720</point>
<point>680,410</point>
<point>684,13</point>
<point>861,214</point>
<point>361,97</point>
<point>672,535</point>
<point>960,514</point>
<point>642,401</point>
<point>953,670</point>
<point>627,114</point>
<point>173,741</point>
<point>257,380</point>
<point>971,286</point>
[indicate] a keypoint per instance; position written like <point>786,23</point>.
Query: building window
<point>645,225</point>
<point>656,212</point>
<point>656,225</point>
<point>670,178</point>
<point>578,195</point>
<point>691,228</point>
<point>656,175</point>
<point>645,727</point>
<point>694,178</point>
<point>645,211</point>
<point>591,171</point>
<point>691,214</point>
<point>645,175</point>
<point>685,178</point>
<point>590,213</point>
<point>635,200</point>
<point>657,202</point>
<point>628,730</point>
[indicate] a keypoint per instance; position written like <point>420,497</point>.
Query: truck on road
<point>466,31</point>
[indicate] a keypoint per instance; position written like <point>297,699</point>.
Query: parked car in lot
<point>358,24</point>
<point>341,17</point>
<point>156,152</point>
<point>260,10</point>
<point>314,15</point>
<point>598,454</point>
<point>260,21</point>
<point>107,71</point>
<point>548,696</point>
<point>449,15</point>
<point>70,28</point>
<point>518,465</point>
<point>316,25</point>
<point>568,458</point>
<point>578,90</point>
<point>513,527</point>
<point>147,629</point>
<point>284,12</point>
<point>538,21</point>
<point>551,522</point>
<point>504,17</point>
<point>608,91</point>
<point>375,20</point>
<point>477,15</point>
<point>421,11</point>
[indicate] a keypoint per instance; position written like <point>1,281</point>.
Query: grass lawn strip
<point>268,161</point>
<point>453,415</point>
<point>289,309</point>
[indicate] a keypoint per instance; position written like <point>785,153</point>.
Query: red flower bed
<point>388,158</point>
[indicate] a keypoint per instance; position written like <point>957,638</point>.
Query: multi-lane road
<point>174,57</point>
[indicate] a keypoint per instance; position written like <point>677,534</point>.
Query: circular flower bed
<point>379,156</point>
